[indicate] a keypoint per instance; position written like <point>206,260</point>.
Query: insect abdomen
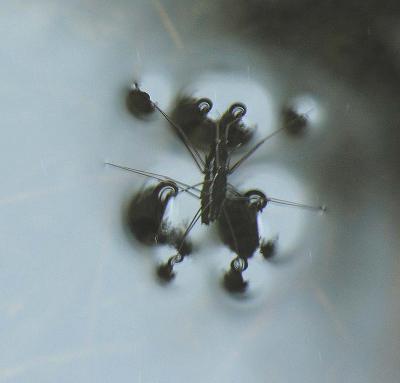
<point>213,197</point>
<point>213,193</point>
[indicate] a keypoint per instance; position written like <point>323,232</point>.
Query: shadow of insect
<point>146,221</point>
<point>191,115</point>
<point>294,122</point>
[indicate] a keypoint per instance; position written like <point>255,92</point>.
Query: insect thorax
<point>213,193</point>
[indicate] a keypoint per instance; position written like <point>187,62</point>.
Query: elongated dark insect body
<point>139,102</point>
<point>233,279</point>
<point>213,193</point>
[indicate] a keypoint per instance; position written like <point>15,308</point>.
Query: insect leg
<point>217,141</point>
<point>193,187</point>
<point>252,150</point>
<point>233,279</point>
<point>159,177</point>
<point>256,146</point>
<point>268,248</point>
<point>234,190</point>
<point>165,270</point>
<point>278,201</point>
<point>192,150</point>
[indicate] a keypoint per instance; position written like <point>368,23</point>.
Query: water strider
<point>235,211</point>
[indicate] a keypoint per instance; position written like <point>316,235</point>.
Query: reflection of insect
<point>294,122</point>
<point>191,115</point>
<point>139,103</point>
<point>146,220</point>
<point>146,212</point>
<point>235,212</point>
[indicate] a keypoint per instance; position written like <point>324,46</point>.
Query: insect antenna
<point>183,187</point>
<point>256,146</point>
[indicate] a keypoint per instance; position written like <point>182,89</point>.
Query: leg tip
<point>234,282</point>
<point>165,273</point>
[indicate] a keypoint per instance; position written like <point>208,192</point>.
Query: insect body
<point>235,212</point>
<point>213,193</point>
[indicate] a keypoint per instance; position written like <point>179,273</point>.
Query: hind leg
<point>165,271</point>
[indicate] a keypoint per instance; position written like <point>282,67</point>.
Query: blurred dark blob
<point>268,249</point>
<point>294,123</point>
<point>233,279</point>
<point>139,103</point>
<point>191,115</point>
<point>238,229</point>
<point>345,35</point>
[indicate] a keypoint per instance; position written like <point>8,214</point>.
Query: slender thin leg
<point>159,177</point>
<point>256,146</point>
<point>192,150</point>
<point>252,150</point>
<point>165,270</point>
